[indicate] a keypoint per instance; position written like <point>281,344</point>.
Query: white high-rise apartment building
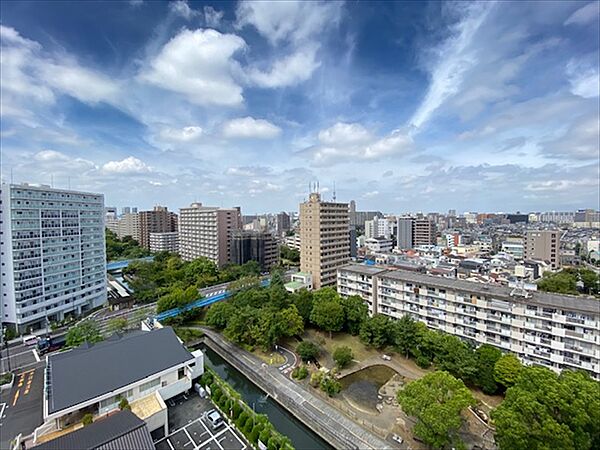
<point>53,254</point>
<point>552,330</point>
<point>206,231</point>
<point>378,227</point>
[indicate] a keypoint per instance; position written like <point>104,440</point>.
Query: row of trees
<point>254,426</point>
<point>126,248</point>
<point>541,410</point>
<point>566,281</point>
<point>289,254</point>
<point>261,317</point>
<point>475,367</point>
<point>169,276</point>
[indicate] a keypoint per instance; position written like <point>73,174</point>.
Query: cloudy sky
<point>405,106</point>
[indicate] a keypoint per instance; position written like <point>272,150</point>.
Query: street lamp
<point>6,344</point>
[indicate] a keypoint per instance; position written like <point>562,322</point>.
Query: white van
<point>30,340</point>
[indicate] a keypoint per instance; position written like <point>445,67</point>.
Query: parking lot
<point>190,429</point>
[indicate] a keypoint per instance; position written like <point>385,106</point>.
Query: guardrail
<point>201,302</point>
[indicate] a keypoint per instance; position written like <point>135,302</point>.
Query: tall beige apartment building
<point>324,239</point>
<point>206,231</point>
<point>543,245</point>
<point>129,225</point>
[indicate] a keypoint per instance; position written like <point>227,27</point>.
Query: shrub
<point>423,361</point>
<point>255,433</point>
<point>307,351</point>
<point>88,419</point>
<point>343,356</point>
<point>124,404</point>
<point>237,410</point>
<point>242,420</point>
<point>300,372</point>
<point>249,426</point>
<point>264,436</point>
<point>315,378</point>
<point>330,386</point>
<point>206,378</point>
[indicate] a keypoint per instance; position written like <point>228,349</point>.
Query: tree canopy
<point>436,401</point>
<point>86,331</point>
<point>565,281</point>
<point>126,248</point>
<point>544,411</point>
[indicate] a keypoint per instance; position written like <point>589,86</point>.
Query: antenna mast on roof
<point>334,197</point>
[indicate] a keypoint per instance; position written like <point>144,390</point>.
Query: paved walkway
<point>325,420</point>
<point>398,364</point>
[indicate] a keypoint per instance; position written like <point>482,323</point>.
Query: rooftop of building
<point>46,187</point>
<point>90,371</point>
<point>120,431</point>
<point>363,269</point>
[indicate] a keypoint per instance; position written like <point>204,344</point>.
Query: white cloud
<point>342,134</point>
<point>347,142</point>
<point>58,163</point>
<point>584,77</point>
<point>249,127</point>
<point>181,8</point>
<point>370,194</point>
<point>287,71</point>
<point>454,58</point>
<point>212,17</point>
<point>248,171</point>
<point>129,165</point>
<point>290,21</point>
<point>585,14</point>
<point>185,134</point>
<point>579,142</point>
<point>198,64</point>
<point>78,82</point>
<point>28,72</point>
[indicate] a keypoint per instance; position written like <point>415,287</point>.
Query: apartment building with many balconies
<point>543,245</point>
<point>555,331</point>
<point>164,242</point>
<point>206,231</point>
<point>53,254</point>
<point>324,239</point>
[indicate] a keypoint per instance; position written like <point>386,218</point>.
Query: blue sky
<point>406,106</point>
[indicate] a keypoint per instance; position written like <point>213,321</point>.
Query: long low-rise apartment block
<point>552,330</point>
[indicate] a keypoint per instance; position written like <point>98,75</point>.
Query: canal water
<point>302,438</point>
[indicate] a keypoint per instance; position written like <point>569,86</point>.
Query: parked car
<point>30,340</point>
<point>386,357</point>
<point>215,419</point>
<point>397,438</point>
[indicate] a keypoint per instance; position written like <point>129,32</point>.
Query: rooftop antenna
<point>334,197</point>
<point>318,187</point>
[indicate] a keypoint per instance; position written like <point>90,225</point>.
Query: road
<point>21,357</point>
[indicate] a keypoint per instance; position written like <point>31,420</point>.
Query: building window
<point>181,373</point>
<point>149,385</point>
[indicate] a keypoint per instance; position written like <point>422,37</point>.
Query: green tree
<point>327,312</point>
<point>86,331</point>
<point>124,404</point>
<point>507,370</point>
<point>177,298</point>
<point>436,400</point>
<point>405,334</point>
<point>289,254</point>
<point>219,313</point>
<point>356,312</point>
<point>343,356</point>
<point>303,300</point>
<point>308,351</point>
<point>487,356</point>
<point>330,386</point>
<point>117,325</point>
<point>453,355</point>
<point>546,411</point>
<point>376,331</point>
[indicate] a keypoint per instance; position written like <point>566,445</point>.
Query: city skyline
<point>405,106</point>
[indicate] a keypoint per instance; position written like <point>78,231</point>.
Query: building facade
<point>543,245</point>
<point>53,254</point>
<point>254,246</point>
<point>283,224</point>
<point>405,233</point>
<point>324,239</point>
<point>556,331</point>
<point>164,242</point>
<point>379,244</point>
<point>129,225</point>
<point>206,231</point>
<point>378,227</point>
<point>159,220</point>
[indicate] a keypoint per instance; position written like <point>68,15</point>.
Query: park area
<point>369,383</point>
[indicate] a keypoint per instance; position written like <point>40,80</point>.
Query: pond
<point>361,388</point>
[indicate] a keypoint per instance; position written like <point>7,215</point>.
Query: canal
<point>301,437</point>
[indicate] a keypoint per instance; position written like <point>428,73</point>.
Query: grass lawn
<point>271,358</point>
<point>360,351</point>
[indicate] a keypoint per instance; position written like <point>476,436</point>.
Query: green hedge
<point>248,422</point>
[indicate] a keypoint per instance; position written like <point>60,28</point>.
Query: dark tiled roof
<point>121,431</point>
<point>90,371</point>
